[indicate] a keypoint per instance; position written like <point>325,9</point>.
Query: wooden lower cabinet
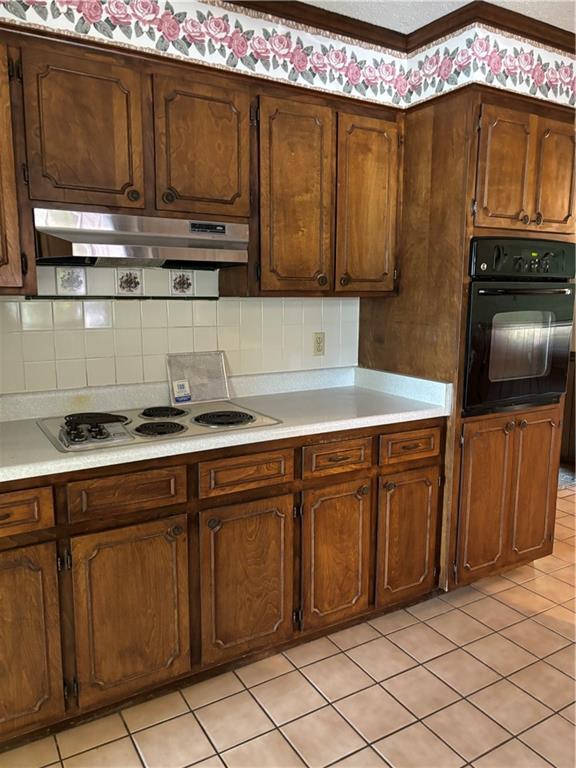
<point>131,611</point>
<point>246,553</point>
<point>407,535</point>
<point>507,500</point>
<point>336,545</point>
<point>31,686</point>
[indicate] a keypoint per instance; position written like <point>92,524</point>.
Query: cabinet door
<point>31,682</point>
<point>505,179</point>
<point>555,176</point>
<point>202,136</point>
<point>83,129</point>
<point>336,528</point>
<point>246,577</point>
<point>10,264</point>
<point>407,533</point>
<point>367,204</point>
<point>130,608</point>
<point>296,195</point>
<point>487,462</point>
<point>535,481</point>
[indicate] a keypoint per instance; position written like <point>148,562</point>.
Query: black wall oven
<point>519,323</point>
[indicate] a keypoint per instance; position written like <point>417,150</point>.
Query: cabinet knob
<point>168,197</point>
<point>176,530</point>
<point>322,279</point>
<point>525,219</point>
<point>509,427</point>
<point>364,490</point>
<point>523,424</point>
<point>133,195</point>
<point>214,523</point>
<point>389,486</point>
<point>539,218</point>
<point>345,279</point>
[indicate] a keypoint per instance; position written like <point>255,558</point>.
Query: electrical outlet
<point>319,343</point>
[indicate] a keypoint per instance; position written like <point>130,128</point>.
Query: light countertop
<point>26,452</point>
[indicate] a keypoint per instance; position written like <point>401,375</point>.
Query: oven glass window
<point>521,345</point>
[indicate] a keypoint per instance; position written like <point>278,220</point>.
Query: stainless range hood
<point>87,238</point>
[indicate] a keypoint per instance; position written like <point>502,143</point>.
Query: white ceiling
<point>408,15</point>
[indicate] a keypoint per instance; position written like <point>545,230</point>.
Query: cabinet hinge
<point>479,124</point>
<point>400,140</point>
<point>462,439</point>
<point>254,114</point>
<point>258,271</point>
<point>455,571</point>
<point>25,174</point>
<point>395,275</point>
<point>297,617</point>
<point>436,571</point>
<point>440,480</point>
<point>70,690</point>
<point>474,207</point>
<point>297,511</point>
<point>64,561</point>
<point>14,69</point>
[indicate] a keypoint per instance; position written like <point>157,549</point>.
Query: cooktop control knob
<point>534,265</point>
<point>518,263</point>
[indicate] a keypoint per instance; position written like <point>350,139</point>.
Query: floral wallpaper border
<point>218,35</point>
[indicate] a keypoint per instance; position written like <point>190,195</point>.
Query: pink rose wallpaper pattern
<point>219,35</point>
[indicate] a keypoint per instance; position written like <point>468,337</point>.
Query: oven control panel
<point>520,258</point>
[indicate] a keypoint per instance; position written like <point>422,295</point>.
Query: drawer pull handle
<point>411,446</point>
<point>133,195</point>
<point>214,523</point>
<point>322,279</point>
<point>6,516</point>
<point>523,424</point>
<point>168,197</point>
<point>524,218</point>
<point>390,486</point>
<point>176,530</point>
<point>364,490</point>
<point>338,459</point>
<point>509,427</point>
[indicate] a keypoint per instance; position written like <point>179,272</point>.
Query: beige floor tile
<point>510,707</point>
<point>513,754</point>
<point>268,751</point>
<point>501,654</point>
<point>569,713</point>
<point>559,619</point>
<point>462,671</point>
<point>554,740</point>
<point>420,691</point>
<point>337,676</point>
<point>564,660</point>
<point>535,638</point>
<point>567,504</point>
<point>462,596</point>
<point>154,711</point>
<point>422,642</point>
<point>90,735</point>
<point>212,689</point>
<point>567,575</point>
<point>548,685</point>
<point>552,588</point>
<point>34,755</point>
<point>322,737</point>
<point>522,574</point>
<point>459,627</point>
<point>308,653</point>
<point>232,720</point>
<point>549,564</point>
<point>348,638</point>
<point>117,754</point>
<point>562,532</point>
<point>173,744</point>
<point>466,729</point>
<point>570,605</point>
<point>381,658</point>
<point>491,585</point>
<point>524,601</point>
<point>493,613</point>
<point>429,608</point>
<point>417,747</point>
<point>392,622</point>
<point>263,670</point>
<point>288,697</point>
<point>565,492</point>
<point>565,551</point>
<point>365,758</point>
<point>211,762</point>
<point>374,713</point>
<point>568,521</point>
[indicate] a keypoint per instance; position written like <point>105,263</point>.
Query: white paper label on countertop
<point>181,391</point>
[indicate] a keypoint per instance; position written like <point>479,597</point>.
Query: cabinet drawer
<point>108,496</point>
<point>244,472</point>
<point>330,458</point>
<point>409,446</point>
<point>23,511</point>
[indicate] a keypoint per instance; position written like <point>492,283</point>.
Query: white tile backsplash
<point>68,344</point>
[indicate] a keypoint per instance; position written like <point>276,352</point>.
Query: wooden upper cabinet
<point>202,135</point>
<point>555,179</point>
<point>297,160</point>
<point>487,459</point>
<point>83,129</point>
<point>246,577</point>
<point>30,655</point>
<point>534,484</point>
<point>367,203</point>
<point>131,611</point>
<point>336,536</point>
<point>505,178</point>
<point>10,263</point>
<point>407,535</point>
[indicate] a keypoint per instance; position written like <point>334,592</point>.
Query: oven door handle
<point>524,291</point>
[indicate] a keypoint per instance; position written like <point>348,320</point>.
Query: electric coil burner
<point>162,412</point>
<point>224,418</point>
<point>159,428</point>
